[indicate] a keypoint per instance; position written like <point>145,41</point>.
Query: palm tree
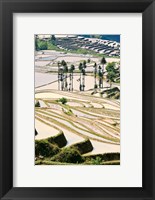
<point>100,74</point>
<point>71,75</point>
<point>103,62</point>
<point>80,68</point>
<point>83,74</point>
<point>65,70</point>
<point>83,78</point>
<point>59,75</point>
<point>95,71</point>
<point>63,63</point>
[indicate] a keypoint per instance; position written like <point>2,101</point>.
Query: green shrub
<point>51,46</point>
<point>96,161</point>
<point>37,104</point>
<point>68,155</point>
<point>42,45</point>
<point>46,149</point>
<point>104,157</point>
<point>62,100</point>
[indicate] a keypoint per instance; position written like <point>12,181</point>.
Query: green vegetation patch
<point>62,100</point>
<point>48,153</point>
<point>59,139</point>
<point>112,93</point>
<point>68,155</point>
<point>104,157</point>
<point>45,149</point>
<point>83,147</point>
<point>37,104</point>
<point>115,89</point>
<point>95,161</point>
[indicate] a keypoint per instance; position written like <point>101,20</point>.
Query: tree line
<point>65,73</point>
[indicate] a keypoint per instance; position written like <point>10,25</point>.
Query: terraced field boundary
<point>59,124</point>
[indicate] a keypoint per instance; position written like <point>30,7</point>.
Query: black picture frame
<point>7,8</point>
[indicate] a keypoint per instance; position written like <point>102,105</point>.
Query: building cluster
<point>109,48</point>
<point>75,42</point>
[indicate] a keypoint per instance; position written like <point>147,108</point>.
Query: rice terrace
<point>77,99</point>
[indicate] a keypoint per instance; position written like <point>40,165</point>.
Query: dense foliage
<point>44,148</point>
<point>47,152</point>
<point>62,100</point>
<point>68,155</point>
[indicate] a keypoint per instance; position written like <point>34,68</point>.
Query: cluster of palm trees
<point>64,73</point>
<point>99,71</point>
<point>82,68</point>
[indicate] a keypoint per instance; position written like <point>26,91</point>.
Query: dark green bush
<point>104,157</point>
<point>46,149</point>
<point>68,155</point>
<point>112,93</point>
<point>42,45</point>
<point>36,133</point>
<point>62,100</point>
<point>59,139</point>
<point>37,104</point>
<point>83,147</point>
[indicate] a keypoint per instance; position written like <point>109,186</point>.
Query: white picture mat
<point>129,173</point>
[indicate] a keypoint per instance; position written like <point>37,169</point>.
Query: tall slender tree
<point>65,71</point>
<point>80,68</point>
<point>59,75</point>
<point>103,62</point>
<point>72,68</point>
<point>84,66</point>
<point>95,72</point>
<point>100,75</point>
<point>65,76</point>
<point>83,78</point>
